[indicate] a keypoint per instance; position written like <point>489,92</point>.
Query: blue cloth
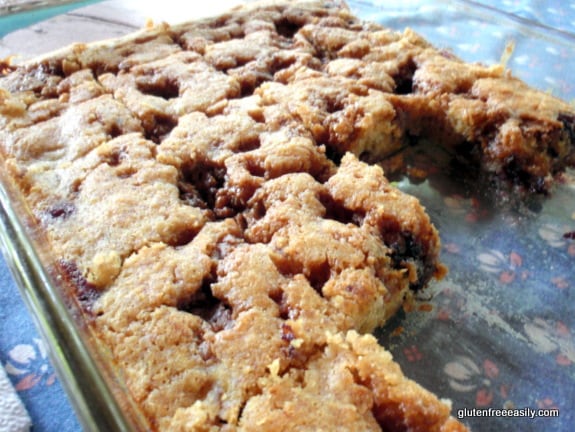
<point>10,23</point>
<point>24,356</point>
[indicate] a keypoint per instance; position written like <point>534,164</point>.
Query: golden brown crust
<point>202,186</point>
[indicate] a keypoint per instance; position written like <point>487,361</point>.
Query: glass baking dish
<point>497,332</point>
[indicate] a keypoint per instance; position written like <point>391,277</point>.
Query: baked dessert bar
<point>210,195</point>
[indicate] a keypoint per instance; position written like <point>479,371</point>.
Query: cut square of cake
<point>211,194</point>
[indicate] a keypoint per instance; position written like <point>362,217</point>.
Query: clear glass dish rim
<point>484,12</point>
<point>91,387</point>
<point>31,5</point>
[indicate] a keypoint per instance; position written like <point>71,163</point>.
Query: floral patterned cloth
<point>24,358</point>
<point>499,331</point>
